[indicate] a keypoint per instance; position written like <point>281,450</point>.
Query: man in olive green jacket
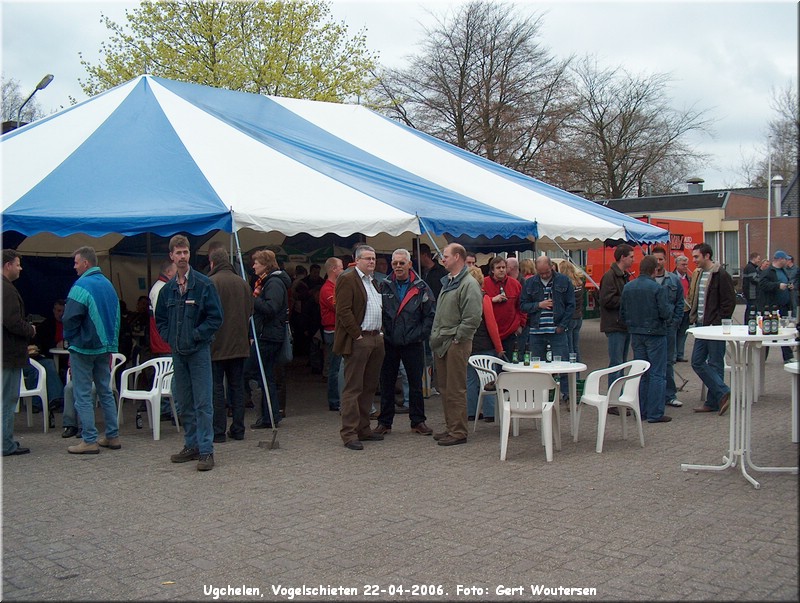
<point>458,315</point>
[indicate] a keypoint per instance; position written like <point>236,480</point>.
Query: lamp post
<point>40,86</point>
<point>769,191</point>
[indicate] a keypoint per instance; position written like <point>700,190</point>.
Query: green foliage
<point>282,48</point>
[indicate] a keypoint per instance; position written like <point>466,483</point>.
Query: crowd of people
<point>365,324</point>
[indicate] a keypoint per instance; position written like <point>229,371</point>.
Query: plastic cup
<point>726,325</point>
<point>535,361</point>
<point>556,358</point>
<point>573,357</point>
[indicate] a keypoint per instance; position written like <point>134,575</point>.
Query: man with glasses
<point>408,311</point>
<point>359,340</point>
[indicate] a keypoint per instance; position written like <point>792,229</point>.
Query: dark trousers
<point>233,369</point>
<point>269,352</point>
<point>413,358</point>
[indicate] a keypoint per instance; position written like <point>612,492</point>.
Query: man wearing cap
<point>775,289</point>
<point>794,279</point>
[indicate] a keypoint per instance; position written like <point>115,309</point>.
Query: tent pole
<point>264,387</point>
<point>569,259</point>
<point>430,238</point>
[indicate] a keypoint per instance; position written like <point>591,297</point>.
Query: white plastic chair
<point>161,387</point>
<point>26,395</point>
<point>527,396</point>
<point>483,365</point>
<point>623,394</point>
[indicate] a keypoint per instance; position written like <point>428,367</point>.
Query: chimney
<point>694,185</point>
<point>777,182</point>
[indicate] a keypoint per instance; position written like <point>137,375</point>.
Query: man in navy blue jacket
<point>646,312</point>
<point>408,311</point>
<point>188,314</point>
<point>549,300</point>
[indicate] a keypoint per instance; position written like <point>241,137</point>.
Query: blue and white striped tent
<point>160,156</point>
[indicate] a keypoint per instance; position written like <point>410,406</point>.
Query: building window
<point>730,254</point>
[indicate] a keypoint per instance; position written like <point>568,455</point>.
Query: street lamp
<point>40,86</point>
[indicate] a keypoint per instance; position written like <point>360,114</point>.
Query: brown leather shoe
<point>705,408</point>
<point>440,436</point>
<point>724,403</point>
<point>451,441</point>
<point>422,429</point>
<point>382,430</point>
<point>663,419</point>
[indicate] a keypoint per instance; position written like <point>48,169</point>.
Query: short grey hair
<point>360,251</point>
<point>402,252</point>
<point>87,253</point>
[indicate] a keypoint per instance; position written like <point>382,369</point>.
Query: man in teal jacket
<point>91,328</point>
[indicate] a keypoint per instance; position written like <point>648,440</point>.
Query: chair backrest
<point>41,381</point>
<point>527,393</point>
<point>484,366</point>
<point>626,388</point>
<point>160,365</point>
<point>165,386</point>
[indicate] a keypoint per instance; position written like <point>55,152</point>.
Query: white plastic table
<point>794,369</point>
<point>742,349</point>
<point>555,368</point>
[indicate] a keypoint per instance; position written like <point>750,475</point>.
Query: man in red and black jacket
<point>408,309</point>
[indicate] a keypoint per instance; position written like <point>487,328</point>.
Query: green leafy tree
<point>287,48</point>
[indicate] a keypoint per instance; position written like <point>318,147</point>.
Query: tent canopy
<point>160,156</point>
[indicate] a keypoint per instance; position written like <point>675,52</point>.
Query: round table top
<point>738,333</point>
<point>545,367</point>
<point>58,351</point>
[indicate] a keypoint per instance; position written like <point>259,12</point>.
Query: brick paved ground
<point>129,524</point>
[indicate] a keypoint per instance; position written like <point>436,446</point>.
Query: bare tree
<point>784,138</point>
<point>13,97</point>
<point>626,135</point>
<point>483,82</point>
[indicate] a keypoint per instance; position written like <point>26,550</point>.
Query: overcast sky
<point>725,57</point>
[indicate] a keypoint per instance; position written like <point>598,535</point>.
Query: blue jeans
<point>652,348</point>
<point>474,389</point>
<point>680,342</point>
<point>88,369</point>
<point>617,352</point>
<point>193,384</point>
<point>11,378</point>
<point>537,344</point>
<point>708,362</point>
<point>574,337</point>
<point>334,396</point>
<point>233,369</point>
<point>671,390</point>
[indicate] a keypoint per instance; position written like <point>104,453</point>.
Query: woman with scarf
<point>270,313</point>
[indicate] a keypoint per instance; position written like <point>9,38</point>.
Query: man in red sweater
<point>327,310</point>
<point>505,292</point>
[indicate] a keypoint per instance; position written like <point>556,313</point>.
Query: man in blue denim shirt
<point>188,314</point>
<point>672,283</point>
<point>549,300</point>
<point>644,309</point>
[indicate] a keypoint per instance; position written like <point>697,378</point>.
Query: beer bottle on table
<point>752,324</point>
<point>526,356</point>
<point>515,355</point>
<point>548,355</point>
